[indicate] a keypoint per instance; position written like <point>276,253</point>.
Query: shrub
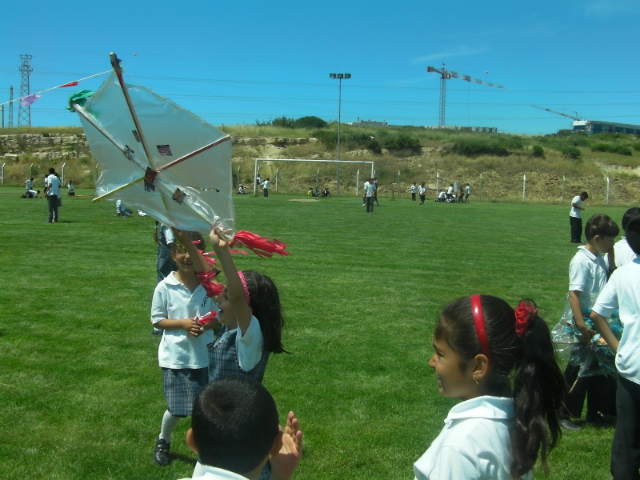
<point>603,147</point>
<point>283,122</point>
<point>538,151</point>
<point>403,142</point>
<point>310,122</point>
<point>622,150</point>
<point>636,146</point>
<point>570,152</point>
<point>471,147</point>
<point>329,139</point>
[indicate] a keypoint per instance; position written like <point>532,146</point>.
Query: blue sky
<point>235,62</point>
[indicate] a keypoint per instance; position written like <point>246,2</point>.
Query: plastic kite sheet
<point>595,357</point>
<point>172,165</point>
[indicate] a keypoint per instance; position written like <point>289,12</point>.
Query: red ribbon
<point>260,245</point>
<point>206,280</point>
<point>525,311</point>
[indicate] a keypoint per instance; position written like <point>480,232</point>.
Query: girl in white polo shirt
<point>182,353</point>
<point>499,428</point>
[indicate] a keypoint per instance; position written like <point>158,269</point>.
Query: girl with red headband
<point>501,363</point>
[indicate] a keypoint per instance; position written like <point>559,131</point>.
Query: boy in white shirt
<point>622,293</point>
<point>413,190</point>
<point>422,191</point>
<point>235,432</point>
<point>588,274</point>
<point>623,252</point>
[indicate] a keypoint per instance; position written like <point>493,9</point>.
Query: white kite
<point>161,159</point>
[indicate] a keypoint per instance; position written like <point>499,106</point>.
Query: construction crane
<point>558,113</point>
<point>448,74</point>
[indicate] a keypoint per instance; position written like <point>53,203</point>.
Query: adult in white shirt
<point>575,217</point>
<point>369,194</point>
<point>29,183</point>
<point>53,194</point>
<point>265,187</point>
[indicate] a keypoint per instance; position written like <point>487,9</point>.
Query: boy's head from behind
<point>600,225</point>
<point>584,195</point>
<point>628,215</point>
<point>235,425</point>
<point>632,234</point>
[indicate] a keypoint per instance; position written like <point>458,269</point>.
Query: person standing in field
<point>182,353</point>
<point>623,252</point>
<point>621,293</point>
<point>375,192</point>
<point>369,194</point>
<point>413,190</point>
<point>575,217</point>
<point>265,187</point>
<point>52,193</point>
<point>422,191</point>
<point>467,192</point>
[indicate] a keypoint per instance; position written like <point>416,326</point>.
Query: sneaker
<point>156,331</point>
<point>567,424</point>
<point>161,453</point>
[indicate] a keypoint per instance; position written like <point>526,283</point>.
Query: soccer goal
<point>337,162</point>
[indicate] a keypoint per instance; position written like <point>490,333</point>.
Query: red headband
<point>478,319</point>
<point>246,289</point>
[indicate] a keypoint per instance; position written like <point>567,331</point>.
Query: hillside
<point>494,164</point>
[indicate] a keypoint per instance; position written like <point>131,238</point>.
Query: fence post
<point>608,189</point>
<point>437,183</point>
<point>524,187</point>
<point>238,177</point>
<point>63,165</point>
<point>317,178</point>
<point>564,186</point>
<point>3,172</point>
<point>277,175</point>
<point>358,183</point>
<point>31,171</point>
<point>255,177</point>
<point>398,183</point>
<point>480,188</point>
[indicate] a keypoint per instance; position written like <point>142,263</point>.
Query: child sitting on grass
<point>182,353</point>
<point>235,432</point>
<point>622,293</point>
<point>501,363</point>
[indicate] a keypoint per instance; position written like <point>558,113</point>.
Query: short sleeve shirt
<point>587,274</point>
<point>576,212</point>
<point>54,185</point>
<point>622,292</point>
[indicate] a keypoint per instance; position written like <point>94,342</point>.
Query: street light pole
<point>339,76</point>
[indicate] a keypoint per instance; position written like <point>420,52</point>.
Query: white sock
<point>169,422</point>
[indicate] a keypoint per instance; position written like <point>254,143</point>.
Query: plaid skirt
<point>181,387</point>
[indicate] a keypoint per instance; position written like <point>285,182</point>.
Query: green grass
<point>80,389</point>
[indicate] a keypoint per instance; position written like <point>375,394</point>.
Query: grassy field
<point>80,389</point>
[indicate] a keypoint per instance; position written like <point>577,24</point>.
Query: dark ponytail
<point>538,384</point>
<point>539,390</point>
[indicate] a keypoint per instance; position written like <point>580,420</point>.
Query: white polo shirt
<point>475,443</point>
<point>369,189</point>
<point>622,292</point>
<point>422,190</point>
<point>587,274</point>
<point>54,185</point>
<point>207,472</point>
<point>623,253</point>
<point>576,212</point>
<point>172,300</point>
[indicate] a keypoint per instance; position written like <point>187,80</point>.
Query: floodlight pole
<point>339,76</point>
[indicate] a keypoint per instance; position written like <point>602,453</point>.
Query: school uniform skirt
<point>181,387</point>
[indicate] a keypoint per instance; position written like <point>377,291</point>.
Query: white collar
<point>492,408</point>
<point>201,471</point>
<point>589,255</point>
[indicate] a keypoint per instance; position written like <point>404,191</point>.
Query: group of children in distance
<point>498,360</point>
<point>421,190</point>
